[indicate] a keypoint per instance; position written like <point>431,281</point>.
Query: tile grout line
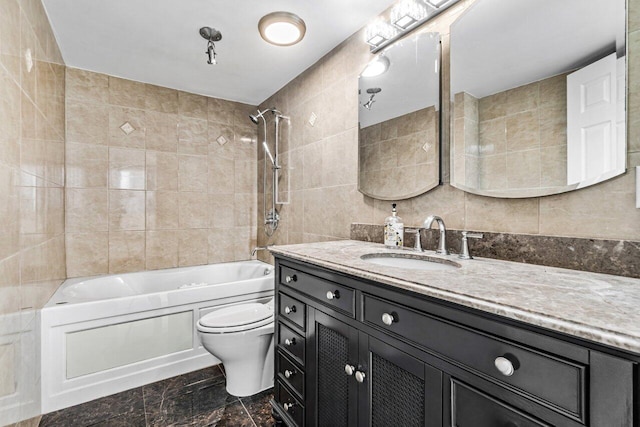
<point>248,413</point>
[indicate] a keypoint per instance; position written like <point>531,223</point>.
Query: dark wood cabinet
<point>358,353</point>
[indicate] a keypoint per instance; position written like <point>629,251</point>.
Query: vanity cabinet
<point>354,352</point>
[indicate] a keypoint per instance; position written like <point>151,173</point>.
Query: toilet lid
<point>247,316</point>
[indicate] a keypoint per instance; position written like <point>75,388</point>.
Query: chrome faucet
<point>464,247</point>
<point>259,248</point>
<point>442,244</point>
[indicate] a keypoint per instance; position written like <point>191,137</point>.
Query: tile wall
<point>32,255</point>
<point>324,163</point>
<point>399,155</point>
<point>513,140</point>
<point>156,178</point>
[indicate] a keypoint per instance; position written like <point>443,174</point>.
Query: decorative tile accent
<point>618,257</point>
<point>312,119</point>
<point>222,140</point>
<point>127,128</point>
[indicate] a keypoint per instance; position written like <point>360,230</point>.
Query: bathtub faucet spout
<point>259,248</point>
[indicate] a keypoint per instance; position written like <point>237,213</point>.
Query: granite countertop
<point>597,307</point>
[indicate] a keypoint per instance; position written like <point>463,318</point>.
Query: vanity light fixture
<point>379,32</point>
<point>407,13</point>
<point>435,3</point>
<point>282,28</point>
<point>406,16</point>
<point>378,66</point>
<point>212,35</point>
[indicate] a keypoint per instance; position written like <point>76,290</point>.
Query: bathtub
<point>103,335</point>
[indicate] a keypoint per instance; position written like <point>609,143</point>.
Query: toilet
<point>241,336</point>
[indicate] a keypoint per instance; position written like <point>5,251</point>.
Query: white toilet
<point>241,336</point>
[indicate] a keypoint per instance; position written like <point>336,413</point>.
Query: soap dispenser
<point>393,230</point>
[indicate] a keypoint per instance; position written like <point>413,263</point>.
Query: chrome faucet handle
<point>417,246</point>
<point>464,248</point>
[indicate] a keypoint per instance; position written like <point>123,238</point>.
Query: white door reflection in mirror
<point>594,150</point>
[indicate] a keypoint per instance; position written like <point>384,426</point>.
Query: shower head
<point>256,117</point>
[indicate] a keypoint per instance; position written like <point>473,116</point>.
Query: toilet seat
<point>242,317</point>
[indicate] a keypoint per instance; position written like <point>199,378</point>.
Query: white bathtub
<point>103,335</point>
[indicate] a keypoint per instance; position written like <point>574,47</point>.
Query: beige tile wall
<point>323,208</point>
<point>32,255</point>
<point>167,194</point>
<point>399,156</point>
<point>516,140</point>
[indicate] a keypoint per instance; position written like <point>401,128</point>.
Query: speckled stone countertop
<point>597,307</point>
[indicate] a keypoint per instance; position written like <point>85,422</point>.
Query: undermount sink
<point>410,261</point>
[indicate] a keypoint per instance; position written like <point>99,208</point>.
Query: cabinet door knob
<point>288,406</point>
<point>333,295</point>
<point>290,342</point>
<point>288,373</point>
<point>349,369</point>
<point>504,365</point>
<point>388,319</point>
<point>289,310</point>
<point>360,376</point>
<point>290,279</point>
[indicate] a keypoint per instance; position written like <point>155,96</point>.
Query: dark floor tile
<point>233,415</point>
<point>192,402</point>
<point>128,402</point>
<point>182,383</point>
<point>127,420</point>
<point>259,408</point>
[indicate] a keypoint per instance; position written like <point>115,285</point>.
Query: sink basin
<point>410,261</point>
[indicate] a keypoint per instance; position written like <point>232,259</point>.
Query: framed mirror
<point>399,117</point>
<point>538,90</point>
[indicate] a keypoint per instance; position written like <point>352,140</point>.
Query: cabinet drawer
<point>472,408</point>
<point>291,375</point>
<point>292,310</point>
<point>291,342</point>
<point>558,382</point>
<point>332,294</point>
<point>289,404</point>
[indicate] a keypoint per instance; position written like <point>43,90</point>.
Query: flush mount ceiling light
<point>282,28</point>
<point>407,13</point>
<point>379,32</point>
<point>378,66</point>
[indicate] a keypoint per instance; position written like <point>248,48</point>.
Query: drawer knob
<point>349,369</point>
<point>288,406</point>
<point>288,373</point>
<point>360,376</point>
<point>290,279</point>
<point>290,342</point>
<point>388,319</point>
<point>289,310</point>
<point>333,294</point>
<point>504,365</point>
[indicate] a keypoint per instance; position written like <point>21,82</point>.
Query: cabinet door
<point>398,388</point>
<point>334,345</point>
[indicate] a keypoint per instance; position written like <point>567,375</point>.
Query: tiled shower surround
<point>156,178</point>
<point>32,256</point>
<point>324,163</point>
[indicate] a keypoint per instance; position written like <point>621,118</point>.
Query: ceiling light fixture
<point>378,66</point>
<point>282,28</point>
<point>407,13</point>
<point>373,92</point>
<point>212,35</point>
<point>379,32</point>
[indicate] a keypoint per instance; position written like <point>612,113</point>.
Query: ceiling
<point>157,41</point>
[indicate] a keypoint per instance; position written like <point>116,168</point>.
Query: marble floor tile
<point>198,398</point>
